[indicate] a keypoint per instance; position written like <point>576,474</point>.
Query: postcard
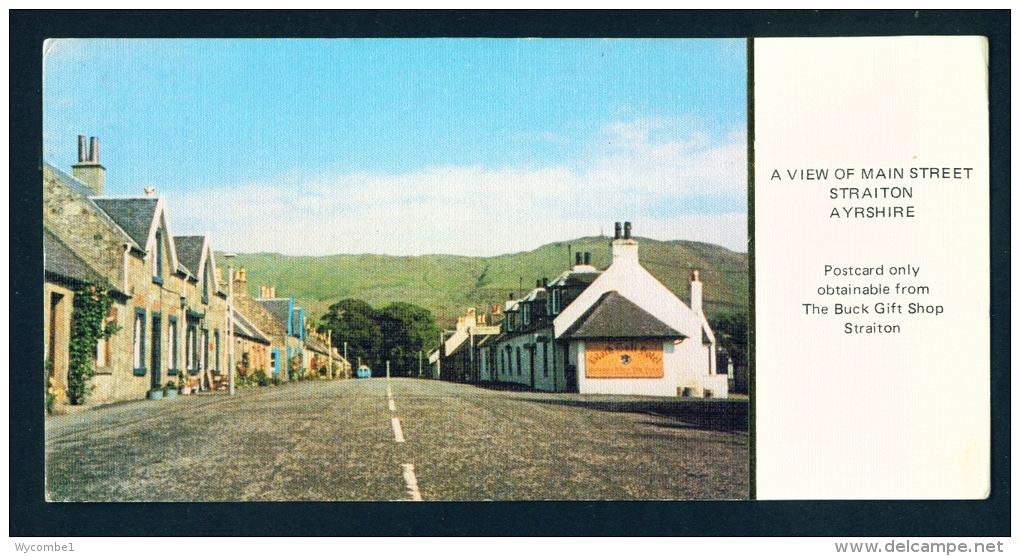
<point>516,269</point>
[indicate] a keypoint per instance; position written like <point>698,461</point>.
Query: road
<point>397,439</point>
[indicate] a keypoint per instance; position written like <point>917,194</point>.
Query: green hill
<point>449,284</point>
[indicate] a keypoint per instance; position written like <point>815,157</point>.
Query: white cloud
<point>638,171</point>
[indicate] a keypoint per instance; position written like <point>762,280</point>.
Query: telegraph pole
<point>230,321</point>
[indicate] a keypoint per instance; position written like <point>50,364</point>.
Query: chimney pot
<point>94,149</point>
<point>577,258</point>
<point>626,230</point>
<point>587,258</point>
<point>82,149</point>
<point>616,234</point>
<point>538,283</point>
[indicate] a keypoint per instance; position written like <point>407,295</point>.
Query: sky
<point>412,146</point>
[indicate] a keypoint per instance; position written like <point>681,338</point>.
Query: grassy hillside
<point>448,284</point>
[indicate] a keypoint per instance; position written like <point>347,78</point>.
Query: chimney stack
<point>623,247</point>
<point>696,292</point>
<point>88,170</point>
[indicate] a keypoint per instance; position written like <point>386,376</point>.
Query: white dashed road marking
<point>412,482</point>
<point>398,433</point>
<point>392,406</point>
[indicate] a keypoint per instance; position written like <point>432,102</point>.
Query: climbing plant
<point>88,325</point>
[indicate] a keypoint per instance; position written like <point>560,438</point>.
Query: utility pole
<point>347,361</point>
<point>230,321</point>
<point>419,364</point>
<point>330,350</point>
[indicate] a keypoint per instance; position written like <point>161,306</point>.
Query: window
<point>157,259</point>
<point>205,284</point>
<point>173,343</point>
<point>274,362</point>
<point>138,353</point>
<point>103,345</point>
<point>518,360</point>
<point>526,314</point>
<point>545,359</point>
<point>555,301</point>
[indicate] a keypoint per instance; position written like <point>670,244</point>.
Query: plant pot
<point>185,391</point>
<point>155,394</point>
<point>169,393</point>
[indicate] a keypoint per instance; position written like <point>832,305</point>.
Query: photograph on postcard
<point>396,269</point>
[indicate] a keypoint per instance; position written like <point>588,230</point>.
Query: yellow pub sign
<point>624,359</point>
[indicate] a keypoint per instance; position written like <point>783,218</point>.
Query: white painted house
<point>628,334</point>
<point>617,331</point>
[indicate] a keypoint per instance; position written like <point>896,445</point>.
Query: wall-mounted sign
<point>624,359</point>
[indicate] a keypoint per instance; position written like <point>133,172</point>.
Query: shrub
<point>88,325</point>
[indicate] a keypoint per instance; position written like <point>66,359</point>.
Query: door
<point>157,350</point>
<point>570,371</point>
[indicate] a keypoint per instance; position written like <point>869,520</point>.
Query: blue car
<point>364,372</point>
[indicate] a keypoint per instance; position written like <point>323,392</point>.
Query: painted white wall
<point>689,364</point>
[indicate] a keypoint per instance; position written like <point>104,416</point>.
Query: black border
<point>31,516</point>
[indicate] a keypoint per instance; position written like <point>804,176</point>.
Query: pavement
<point>399,439</point>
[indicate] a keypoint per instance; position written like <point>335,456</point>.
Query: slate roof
<point>315,344</point>
<point>86,192</point>
<point>615,316</point>
<point>189,252</point>
<point>134,216</point>
<point>536,294</point>
<point>278,308</point>
<point>576,278</point>
<point>61,261</point>
<point>245,328</point>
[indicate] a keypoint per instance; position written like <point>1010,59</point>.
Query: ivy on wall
<point>88,325</point>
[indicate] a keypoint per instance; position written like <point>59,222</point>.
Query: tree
<point>407,330</point>
<point>354,321</point>
<point>731,333</point>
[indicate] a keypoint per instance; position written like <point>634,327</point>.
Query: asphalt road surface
<point>398,439</point>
